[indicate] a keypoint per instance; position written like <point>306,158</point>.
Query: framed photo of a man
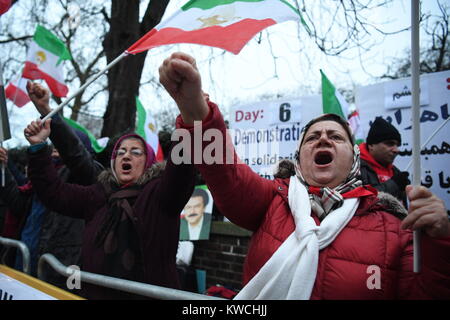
<point>195,223</point>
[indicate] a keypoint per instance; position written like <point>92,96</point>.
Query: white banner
<point>397,93</point>
<point>12,289</point>
<point>265,132</point>
<point>435,156</point>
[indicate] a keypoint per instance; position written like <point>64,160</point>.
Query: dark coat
<point>58,235</point>
<point>369,176</point>
<point>156,217</point>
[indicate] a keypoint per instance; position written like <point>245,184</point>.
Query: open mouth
<point>323,158</point>
<point>192,215</point>
<point>126,166</point>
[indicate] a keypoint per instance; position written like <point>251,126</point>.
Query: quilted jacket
<point>371,245</point>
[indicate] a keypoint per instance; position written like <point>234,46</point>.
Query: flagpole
<point>5,129</point>
<point>415,77</point>
<point>81,89</point>
<point>3,169</point>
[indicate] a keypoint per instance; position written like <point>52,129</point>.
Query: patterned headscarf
<point>325,199</point>
<point>149,152</point>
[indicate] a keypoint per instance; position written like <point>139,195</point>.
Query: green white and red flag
<point>94,142</point>
<point>44,61</point>
<point>16,91</point>
<point>226,24</point>
<point>146,128</point>
<point>334,102</point>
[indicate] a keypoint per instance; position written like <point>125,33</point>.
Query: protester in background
<point>377,157</point>
<point>43,230</point>
<point>186,273</point>
<point>318,234</point>
<point>195,223</point>
<point>132,213</point>
<point>12,225</point>
<point>24,217</point>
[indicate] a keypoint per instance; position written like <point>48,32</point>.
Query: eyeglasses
<point>134,152</point>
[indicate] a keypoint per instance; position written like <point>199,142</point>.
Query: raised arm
<point>239,193</point>
<point>178,180</point>
<point>179,75</point>
<point>69,199</point>
<point>83,168</point>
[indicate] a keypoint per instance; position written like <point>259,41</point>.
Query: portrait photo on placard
<point>195,223</point>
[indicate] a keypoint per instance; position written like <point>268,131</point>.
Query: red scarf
<point>383,173</point>
<point>358,192</point>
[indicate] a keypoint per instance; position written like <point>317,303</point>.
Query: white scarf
<point>291,271</point>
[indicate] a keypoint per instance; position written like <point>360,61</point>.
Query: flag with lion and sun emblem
<point>226,24</point>
<point>44,61</point>
<point>146,128</point>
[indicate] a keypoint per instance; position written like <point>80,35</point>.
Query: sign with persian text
<point>265,132</point>
<point>397,93</point>
<point>435,99</point>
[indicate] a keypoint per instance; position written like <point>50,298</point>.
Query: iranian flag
<point>146,128</point>
<point>95,144</point>
<point>4,6</point>
<point>16,91</point>
<point>226,24</point>
<point>44,61</point>
<point>334,102</point>
<point>355,123</point>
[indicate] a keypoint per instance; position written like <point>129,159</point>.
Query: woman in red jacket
<point>318,234</point>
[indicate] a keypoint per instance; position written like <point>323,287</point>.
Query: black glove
<point>401,179</point>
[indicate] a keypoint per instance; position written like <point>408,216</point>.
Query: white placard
<point>265,132</point>
<point>435,156</point>
<point>11,289</point>
<point>262,137</point>
<point>397,93</point>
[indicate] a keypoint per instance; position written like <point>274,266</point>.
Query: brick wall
<point>222,256</point>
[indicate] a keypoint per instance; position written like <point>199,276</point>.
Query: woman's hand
<point>179,75</point>
<point>426,211</point>
<point>40,97</point>
<point>36,133</point>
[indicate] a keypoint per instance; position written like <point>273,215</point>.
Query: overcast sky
<point>253,73</point>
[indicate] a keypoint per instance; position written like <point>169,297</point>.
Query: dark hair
<point>199,192</point>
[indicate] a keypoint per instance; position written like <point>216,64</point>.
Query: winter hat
<point>381,130</point>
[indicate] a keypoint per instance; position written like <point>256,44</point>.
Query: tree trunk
<point>124,78</point>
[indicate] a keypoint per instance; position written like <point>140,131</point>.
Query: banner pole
<point>5,130</point>
<point>81,89</point>
<point>415,77</point>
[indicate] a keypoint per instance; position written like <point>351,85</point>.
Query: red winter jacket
<point>372,238</point>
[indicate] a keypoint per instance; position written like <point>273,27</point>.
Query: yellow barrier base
<point>25,283</point>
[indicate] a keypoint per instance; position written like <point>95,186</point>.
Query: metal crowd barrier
<point>140,288</point>
<point>23,250</point>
